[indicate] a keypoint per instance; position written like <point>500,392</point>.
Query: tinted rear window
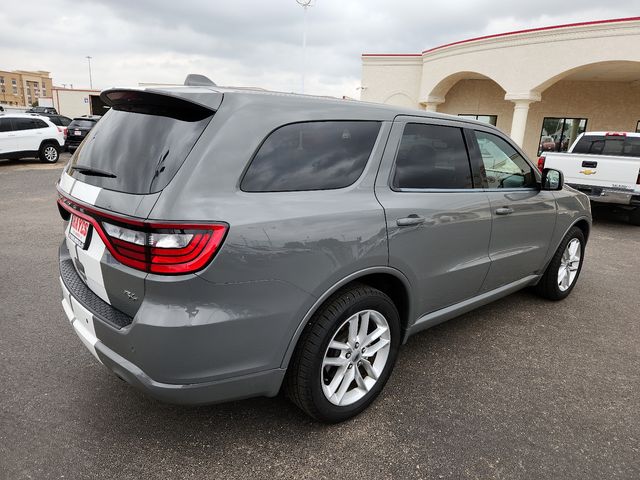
<point>311,156</point>
<point>82,124</point>
<point>143,150</point>
<point>432,156</point>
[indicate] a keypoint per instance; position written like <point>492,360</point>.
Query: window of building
<point>558,134</point>
<point>504,166</point>
<point>1,80</point>
<point>311,156</point>
<point>432,156</point>
<point>638,127</point>
<point>490,119</point>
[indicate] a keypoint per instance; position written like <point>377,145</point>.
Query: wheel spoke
<point>346,383</point>
<point>334,361</point>
<point>371,351</point>
<point>353,329</point>
<point>377,333</point>
<point>338,345</point>
<point>360,381</point>
<point>369,368</point>
<point>336,381</point>
<point>364,325</point>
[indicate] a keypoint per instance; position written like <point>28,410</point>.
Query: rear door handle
<point>504,211</point>
<point>412,219</point>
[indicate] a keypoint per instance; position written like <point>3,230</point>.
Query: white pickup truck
<point>603,165</point>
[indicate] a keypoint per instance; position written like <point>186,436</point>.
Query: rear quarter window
<point>319,155</point>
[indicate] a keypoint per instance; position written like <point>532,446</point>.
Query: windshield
<point>141,152</point>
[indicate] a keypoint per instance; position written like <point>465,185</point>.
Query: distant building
<point>75,102</point>
<point>543,86</point>
<point>21,88</point>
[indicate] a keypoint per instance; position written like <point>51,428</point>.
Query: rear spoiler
<point>189,104</point>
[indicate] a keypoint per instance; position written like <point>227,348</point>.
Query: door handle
<point>504,211</point>
<point>412,219</point>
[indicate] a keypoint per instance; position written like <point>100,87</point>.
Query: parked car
<point>25,135</point>
<point>547,144</point>
<point>42,110</point>
<point>60,121</point>
<point>78,130</point>
<point>605,166</point>
<point>217,250</point>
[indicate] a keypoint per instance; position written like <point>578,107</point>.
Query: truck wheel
<point>49,153</point>
<point>345,354</point>
<point>565,266</point>
<point>634,216</point>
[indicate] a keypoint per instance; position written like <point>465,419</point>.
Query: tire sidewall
<point>335,413</point>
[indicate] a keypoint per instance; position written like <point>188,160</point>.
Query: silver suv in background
<point>221,244</point>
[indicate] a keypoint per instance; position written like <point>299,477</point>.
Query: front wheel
<point>345,355</point>
<point>49,153</point>
<point>565,266</point>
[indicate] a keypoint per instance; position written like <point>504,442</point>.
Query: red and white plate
<point>79,230</point>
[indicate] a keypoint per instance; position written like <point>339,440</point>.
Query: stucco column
<point>520,113</point>
<point>431,103</point>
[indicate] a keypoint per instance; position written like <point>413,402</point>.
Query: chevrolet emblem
<point>587,171</point>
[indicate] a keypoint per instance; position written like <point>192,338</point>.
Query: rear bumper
<point>609,195</point>
<point>265,383</point>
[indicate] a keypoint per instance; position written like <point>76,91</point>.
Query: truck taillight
<point>165,248</point>
<point>541,162</point>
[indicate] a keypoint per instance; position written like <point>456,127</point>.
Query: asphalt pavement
<point>521,388</point>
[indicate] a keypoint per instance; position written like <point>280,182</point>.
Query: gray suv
<point>223,244</point>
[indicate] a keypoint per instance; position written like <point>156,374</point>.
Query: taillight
<point>64,131</point>
<point>541,162</point>
<point>638,179</point>
<point>164,248</point>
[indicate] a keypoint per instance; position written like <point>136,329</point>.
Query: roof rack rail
<point>197,80</point>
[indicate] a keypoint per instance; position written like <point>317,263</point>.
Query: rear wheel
<point>563,271</point>
<point>49,153</point>
<point>345,355</point>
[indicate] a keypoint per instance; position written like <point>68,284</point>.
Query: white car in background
<point>24,135</point>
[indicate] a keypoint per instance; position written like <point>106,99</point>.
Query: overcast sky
<point>255,43</point>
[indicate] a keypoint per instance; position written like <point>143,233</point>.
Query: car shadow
<point>609,215</point>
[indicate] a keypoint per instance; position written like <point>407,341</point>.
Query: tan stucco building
<point>21,88</point>
<point>542,86</point>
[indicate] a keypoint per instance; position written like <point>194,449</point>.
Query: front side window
<point>311,156</point>
<point>5,125</point>
<point>504,166</point>
<point>432,156</point>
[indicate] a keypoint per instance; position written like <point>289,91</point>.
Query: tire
<point>634,217</point>
<point>49,153</point>
<point>549,286</point>
<point>309,380</point>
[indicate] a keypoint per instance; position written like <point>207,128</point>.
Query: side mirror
<point>552,179</point>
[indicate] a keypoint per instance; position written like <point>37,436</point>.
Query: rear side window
<point>311,156</point>
<point>432,156</point>
<point>138,147</point>
<point>39,123</point>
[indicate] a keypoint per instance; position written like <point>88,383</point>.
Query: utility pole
<point>90,80</point>
<point>305,4</point>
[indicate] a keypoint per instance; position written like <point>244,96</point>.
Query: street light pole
<point>305,4</point>
<point>90,80</point>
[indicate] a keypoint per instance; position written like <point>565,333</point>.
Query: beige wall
<point>479,97</point>
<point>73,103</point>
<point>395,81</point>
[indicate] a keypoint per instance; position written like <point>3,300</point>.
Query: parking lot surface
<point>521,388</point>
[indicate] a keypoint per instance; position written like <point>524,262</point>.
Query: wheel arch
<point>386,279</point>
<point>582,223</point>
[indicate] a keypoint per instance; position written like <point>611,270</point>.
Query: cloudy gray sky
<point>255,43</point>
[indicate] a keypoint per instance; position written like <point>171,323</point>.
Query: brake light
<point>541,162</point>
<point>164,248</point>
<point>64,131</point>
<point>615,134</point>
